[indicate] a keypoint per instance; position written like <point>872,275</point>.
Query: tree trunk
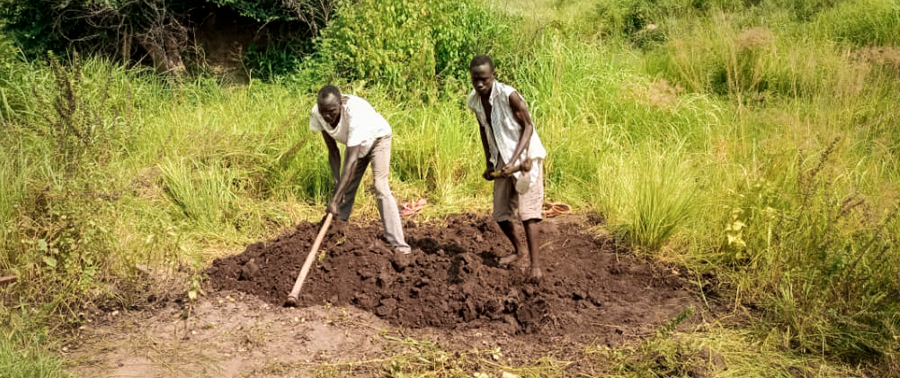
<point>165,54</point>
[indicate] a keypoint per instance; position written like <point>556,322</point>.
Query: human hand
<point>509,167</point>
<point>488,174</point>
<point>332,208</point>
<point>527,164</point>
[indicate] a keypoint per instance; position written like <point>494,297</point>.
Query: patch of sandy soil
<point>225,335</point>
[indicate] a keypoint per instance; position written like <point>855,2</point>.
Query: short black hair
<point>479,60</point>
<point>327,91</point>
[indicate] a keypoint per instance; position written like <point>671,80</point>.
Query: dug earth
<point>591,292</point>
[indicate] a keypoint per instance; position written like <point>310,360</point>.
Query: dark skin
<point>331,109</point>
<point>483,78</point>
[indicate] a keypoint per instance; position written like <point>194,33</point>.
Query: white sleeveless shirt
<point>503,131</point>
<point>360,124</point>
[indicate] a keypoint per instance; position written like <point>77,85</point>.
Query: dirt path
<point>451,291</point>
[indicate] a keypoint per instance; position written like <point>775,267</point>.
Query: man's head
<point>481,69</point>
<point>329,102</point>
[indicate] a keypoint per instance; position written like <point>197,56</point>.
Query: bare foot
<point>506,260</point>
<point>536,273</point>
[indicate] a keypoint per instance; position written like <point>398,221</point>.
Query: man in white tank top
<point>509,139</point>
<point>351,121</point>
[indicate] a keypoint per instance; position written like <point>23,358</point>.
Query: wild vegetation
<point>751,141</point>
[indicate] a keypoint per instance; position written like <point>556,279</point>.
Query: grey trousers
<point>379,156</point>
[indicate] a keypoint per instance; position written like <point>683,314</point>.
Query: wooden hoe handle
<point>292,297</point>
<point>507,172</point>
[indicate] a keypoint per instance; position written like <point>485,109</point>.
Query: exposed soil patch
<point>226,335</point>
<point>589,292</point>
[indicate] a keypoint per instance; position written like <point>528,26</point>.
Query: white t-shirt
<point>360,124</point>
<point>503,131</point>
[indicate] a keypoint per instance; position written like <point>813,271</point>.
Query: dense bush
<point>408,45</point>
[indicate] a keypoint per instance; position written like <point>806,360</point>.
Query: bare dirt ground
<point>450,291</point>
<point>225,335</point>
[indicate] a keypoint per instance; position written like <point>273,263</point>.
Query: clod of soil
<point>453,281</point>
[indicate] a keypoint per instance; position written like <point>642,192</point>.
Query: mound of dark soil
<point>453,280</point>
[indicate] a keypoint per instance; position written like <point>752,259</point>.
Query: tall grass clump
<point>651,195</point>
<point>202,193</point>
<point>861,23</point>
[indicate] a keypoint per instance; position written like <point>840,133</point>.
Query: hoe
<point>295,292</point>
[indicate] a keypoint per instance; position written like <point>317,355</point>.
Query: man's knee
<point>382,188</point>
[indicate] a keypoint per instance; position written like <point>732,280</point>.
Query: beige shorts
<point>529,204</point>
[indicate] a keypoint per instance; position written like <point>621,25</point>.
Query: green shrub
<point>407,46</point>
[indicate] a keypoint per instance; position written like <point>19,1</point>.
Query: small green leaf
<point>50,261</point>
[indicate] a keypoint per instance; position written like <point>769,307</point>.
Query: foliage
<point>90,26</point>
<point>57,243</point>
<point>275,60</point>
<point>31,360</point>
<point>407,46</point>
<point>636,19</point>
<point>161,31</point>
<point>862,23</point>
<point>265,10</point>
<point>755,65</point>
<point>838,303</point>
<point>315,13</point>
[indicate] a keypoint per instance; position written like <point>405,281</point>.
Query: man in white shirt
<point>509,139</point>
<point>351,121</point>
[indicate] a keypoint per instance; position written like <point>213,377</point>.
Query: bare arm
<point>484,144</point>
<point>487,152</point>
<point>520,113</point>
<point>351,158</point>
<point>334,158</point>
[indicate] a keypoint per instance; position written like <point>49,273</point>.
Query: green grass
<point>30,361</point>
<point>24,348</point>
<point>752,142</point>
